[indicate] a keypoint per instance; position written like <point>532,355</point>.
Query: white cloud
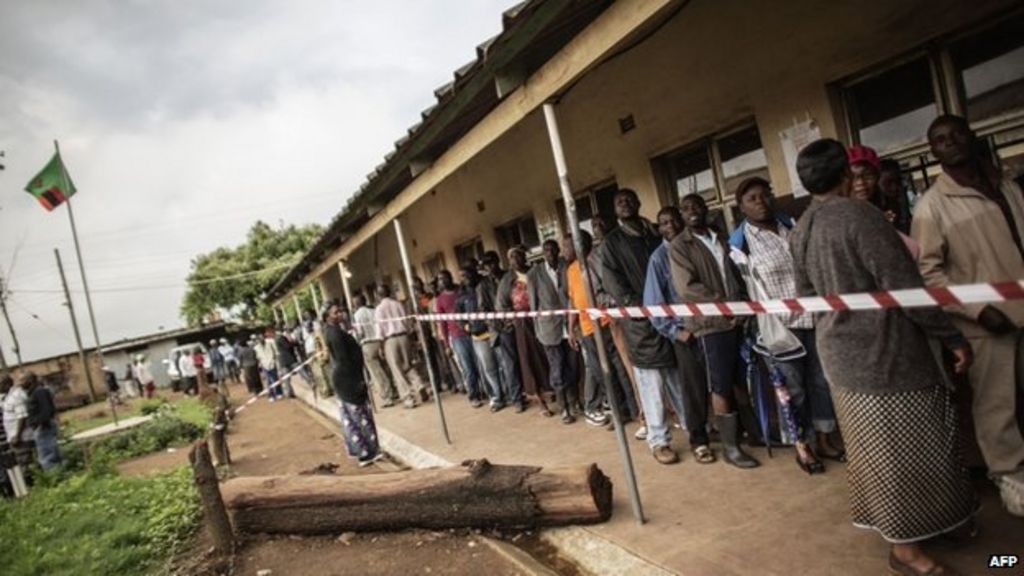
<point>183,122</point>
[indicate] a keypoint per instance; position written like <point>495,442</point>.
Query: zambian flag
<point>52,186</point>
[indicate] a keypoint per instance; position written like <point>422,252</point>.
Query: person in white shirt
<point>144,375</point>
<point>187,371</point>
<point>266,351</point>
<point>393,322</point>
<point>227,352</point>
<point>365,330</point>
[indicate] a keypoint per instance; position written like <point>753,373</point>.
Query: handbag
<point>774,339</point>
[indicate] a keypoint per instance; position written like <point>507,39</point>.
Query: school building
<point>667,98</point>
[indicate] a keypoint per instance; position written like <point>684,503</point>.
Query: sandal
<point>900,569</point>
<point>703,455</point>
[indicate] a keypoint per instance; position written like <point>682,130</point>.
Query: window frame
<point>471,244</point>
<point>725,202</point>
<point>948,91</point>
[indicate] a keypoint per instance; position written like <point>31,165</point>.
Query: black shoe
<point>813,467</point>
<point>520,407</point>
<point>567,417</point>
<point>497,406</point>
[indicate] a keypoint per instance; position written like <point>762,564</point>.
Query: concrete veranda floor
<point>701,519</point>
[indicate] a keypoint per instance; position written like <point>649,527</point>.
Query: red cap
<point>859,154</point>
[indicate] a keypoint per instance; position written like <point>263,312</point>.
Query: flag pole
<point>81,264</point>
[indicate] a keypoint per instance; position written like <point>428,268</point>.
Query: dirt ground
<point>284,438</point>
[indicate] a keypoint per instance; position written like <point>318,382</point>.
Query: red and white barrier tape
<point>910,298</point>
<point>275,384</point>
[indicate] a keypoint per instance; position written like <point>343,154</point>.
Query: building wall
<point>67,373</point>
<point>714,65</point>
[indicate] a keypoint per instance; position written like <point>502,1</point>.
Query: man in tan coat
<point>970,226</point>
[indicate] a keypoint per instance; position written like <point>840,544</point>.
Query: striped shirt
<point>772,262</point>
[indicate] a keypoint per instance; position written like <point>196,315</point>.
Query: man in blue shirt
<point>690,399</point>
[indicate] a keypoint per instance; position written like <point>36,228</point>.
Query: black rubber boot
<point>728,427</point>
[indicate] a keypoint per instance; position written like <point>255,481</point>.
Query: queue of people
<point>868,388</point>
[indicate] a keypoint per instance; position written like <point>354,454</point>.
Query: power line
<point>156,287</point>
<point>36,317</point>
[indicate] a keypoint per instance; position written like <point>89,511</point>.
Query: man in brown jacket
<point>969,225</point>
<point>703,272</point>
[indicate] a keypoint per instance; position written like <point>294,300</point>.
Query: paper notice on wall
<point>793,140</point>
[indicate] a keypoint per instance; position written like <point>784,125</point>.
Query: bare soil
<point>286,438</point>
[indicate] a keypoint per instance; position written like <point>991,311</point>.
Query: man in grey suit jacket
<point>547,290</point>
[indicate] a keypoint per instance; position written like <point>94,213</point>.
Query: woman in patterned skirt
<point>905,474</point>
<point>357,425</point>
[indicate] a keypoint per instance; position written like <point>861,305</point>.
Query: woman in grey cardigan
<point>905,474</point>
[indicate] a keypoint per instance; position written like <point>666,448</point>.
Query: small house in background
<point>65,376</point>
<point>159,347</point>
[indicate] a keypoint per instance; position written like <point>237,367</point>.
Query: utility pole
<point>3,359</point>
<point>7,318</point>
<point>74,324</point>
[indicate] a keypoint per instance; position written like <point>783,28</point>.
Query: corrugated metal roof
<point>461,104</point>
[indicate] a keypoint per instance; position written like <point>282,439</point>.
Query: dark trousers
<point>508,363</point>
<point>594,392</point>
<point>561,374</point>
<point>695,391</point>
<point>723,362</point>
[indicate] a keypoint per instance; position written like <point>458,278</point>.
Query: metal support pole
<point>316,301</point>
<point>344,286</point>
<point>421,331</point>
<point>74,325</point>
<point>574,229</point>
<point>3,359</point>
<point>298,307</point>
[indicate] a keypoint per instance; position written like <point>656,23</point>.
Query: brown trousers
<point>994,380</point>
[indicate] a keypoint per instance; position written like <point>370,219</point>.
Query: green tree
<point>231,282</point>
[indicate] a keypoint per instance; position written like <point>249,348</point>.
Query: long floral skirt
<point>359,430</point>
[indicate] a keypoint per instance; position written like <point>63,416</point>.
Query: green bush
<point>99,524</point>
<point>162,431</point>
<point>152,406</point>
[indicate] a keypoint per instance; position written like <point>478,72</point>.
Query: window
<point>594,201</point>
<point>694,170</point>
<point>979,75</point>
<point>472,250</point>
<point>742,157</point>
<point>990,70</point>
<point>892,110</point>
<point>431,266</point>
<point>520,231</point>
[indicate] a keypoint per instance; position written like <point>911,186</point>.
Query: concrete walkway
<point>123,424</point>
<point>702,519</point>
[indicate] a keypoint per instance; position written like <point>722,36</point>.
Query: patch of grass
<point>99,523</point>
<point>192,410</point>
<point>96,415</point>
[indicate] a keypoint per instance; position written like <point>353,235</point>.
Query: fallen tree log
<point>473,495</point>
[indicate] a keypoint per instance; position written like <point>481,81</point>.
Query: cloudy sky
<point>182,122</point>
